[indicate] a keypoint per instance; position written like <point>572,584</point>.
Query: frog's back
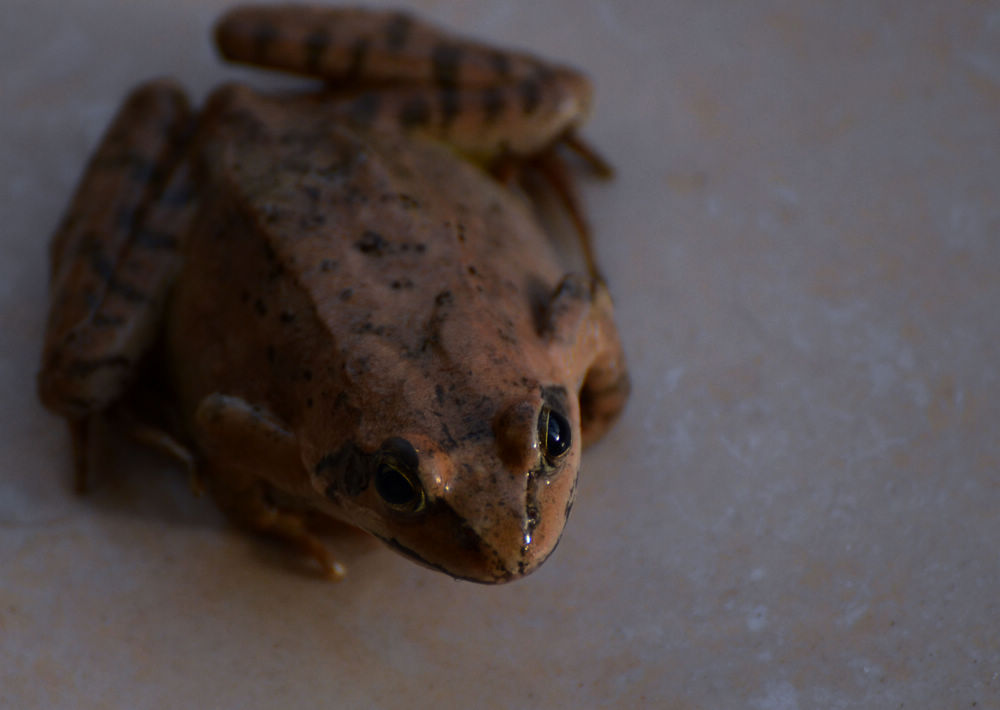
<point>360,241</point>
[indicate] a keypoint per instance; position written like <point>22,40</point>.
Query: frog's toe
<point>292,528</point>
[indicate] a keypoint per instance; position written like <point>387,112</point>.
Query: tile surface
<point>799,508</point>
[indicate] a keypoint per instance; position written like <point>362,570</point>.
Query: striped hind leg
<point>113,257</point>
<point>394,71</point>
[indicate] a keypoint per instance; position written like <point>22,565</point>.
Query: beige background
<point>800,506</point>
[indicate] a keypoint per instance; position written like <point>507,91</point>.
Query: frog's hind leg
<point>355,47</point>
<point>393,71</point>
<point>552,169</point>
<point>113,257</point>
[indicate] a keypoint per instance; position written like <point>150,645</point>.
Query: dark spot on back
<point>372,243</point>
<point>407,202</point>
<point>260,307</point>
<point>346,294</point>
<point>271,355</point>
<point>444,298</point>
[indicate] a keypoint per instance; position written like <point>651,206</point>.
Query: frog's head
<point>483,497</point>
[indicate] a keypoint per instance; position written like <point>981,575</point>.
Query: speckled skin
<point>334,289</point>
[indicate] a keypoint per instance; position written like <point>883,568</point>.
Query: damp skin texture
<point>326,305</point>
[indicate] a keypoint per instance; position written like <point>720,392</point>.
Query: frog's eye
<point>397,488</point>
<point>554,434</point>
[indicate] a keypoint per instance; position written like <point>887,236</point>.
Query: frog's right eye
<point>554,435</point>
<point>400,490</point>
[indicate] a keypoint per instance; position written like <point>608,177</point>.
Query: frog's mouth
<point>488,569</point>
<point>442,540</point>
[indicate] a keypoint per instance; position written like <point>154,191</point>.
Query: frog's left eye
<point>554,434</point>
<point>399,491</point>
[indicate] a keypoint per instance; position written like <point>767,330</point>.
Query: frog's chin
<point>479,566</point>
<point>445,543</point>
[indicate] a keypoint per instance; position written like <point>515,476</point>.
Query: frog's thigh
<point>114,254</point>
<point>246,448</point>
<point>483,100</point>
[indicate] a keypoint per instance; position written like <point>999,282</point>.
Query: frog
<point>334,301</point>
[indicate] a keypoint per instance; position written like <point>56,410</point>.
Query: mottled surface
<point>799,507</point>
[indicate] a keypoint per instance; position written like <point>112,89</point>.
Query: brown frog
<point>325,305</point>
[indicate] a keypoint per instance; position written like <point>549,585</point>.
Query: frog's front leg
<point>579,325</point>
<point>249,456</point>
<point>113,258</point>
<point>403,73</point>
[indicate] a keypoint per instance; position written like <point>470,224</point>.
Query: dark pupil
<point>557,436</point>
<point>393,486</point>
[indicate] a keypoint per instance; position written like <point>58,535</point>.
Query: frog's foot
<point>246,502</point>
<point>254,455</point>
<point>550,167</point>
<point>597,163</point>
<point>396,72</point>
<point>292,528</point>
